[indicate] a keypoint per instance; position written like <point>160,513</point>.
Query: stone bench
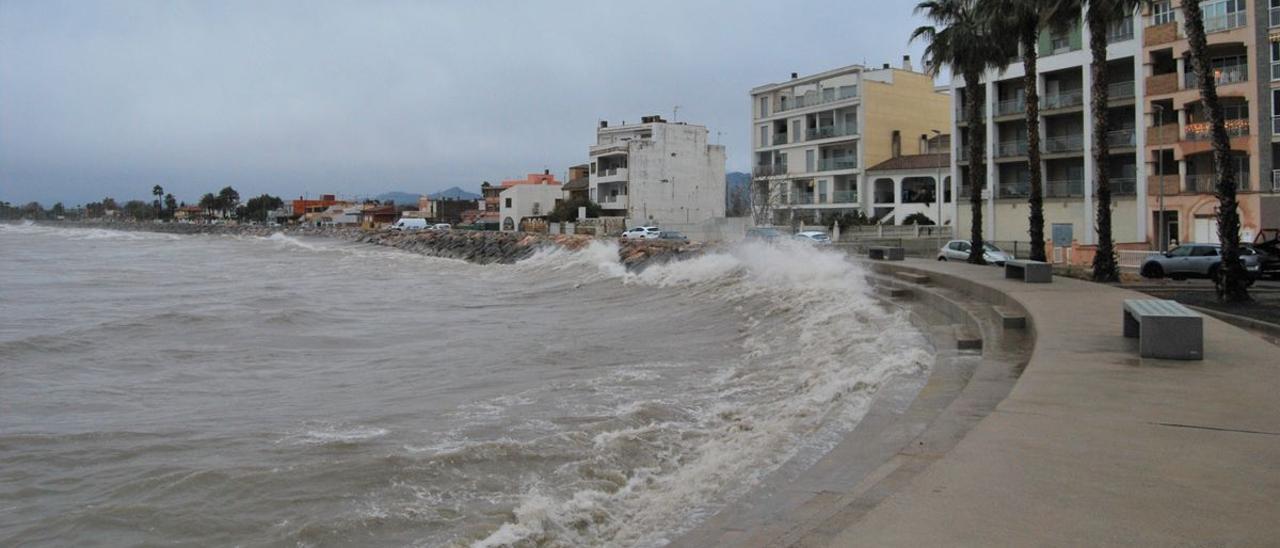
<point>918,279</point>
<point>886,253</point>
<point>1164,329</point>
<point>1010,318</point>
<point>1032,272</point>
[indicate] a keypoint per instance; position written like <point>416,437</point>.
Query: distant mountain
<point>454,193</point>
<point>400,198</point>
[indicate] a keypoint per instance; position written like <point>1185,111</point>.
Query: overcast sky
<point>362,97</point>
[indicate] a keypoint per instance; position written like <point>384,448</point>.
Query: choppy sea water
<point>212,390</point>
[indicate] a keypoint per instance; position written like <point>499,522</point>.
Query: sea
<point>213,390</point>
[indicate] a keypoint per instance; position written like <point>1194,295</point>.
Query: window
<point>1275,13</point>
<point>808,159</point>
<point>1180,251</point>
<point>1059,39</point>
<point>1204,251</point>
<point>1275,61</point>
<point>1161,13</point>
<point>764,135</point>
<point>1223,15</point>
<point>537,208</point>
<point>509,199</point>
<point>593,167</point>
<point>764,107</point>
<point>795,131</point>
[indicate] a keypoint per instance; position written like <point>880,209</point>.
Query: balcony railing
<point>1275,173</point>
<point>1275,71</point>
<point>844,197</point>
<point>1120,30</point>
<point>815,133</point>
<point>779,139</point>
<point>1011,148</point>
<point>1011,106</point>
<point>612,172</point>
<point>1200,182</point>
<point>1120,90</point>
<point>1219,23</point>
<point>1064,188</point>
<point>1015,189</point>
<point>1121,138</point>
<point>802,199</point>
<point>840,94</point>
<point>1064,99</point>
<point>1275,125</point>
<point>1123,186</point>
<point>962,153</point>
<point>837,163</point>
<point>770,170</point>
<point>1066,143</point>
<point>1222,76</point>
<point>1275,17</point>
<point>1203,131</point>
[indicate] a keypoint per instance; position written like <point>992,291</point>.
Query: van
<point>409,224</point>
<point>441,226</point>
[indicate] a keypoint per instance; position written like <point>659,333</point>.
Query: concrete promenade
<point>1095,446</point>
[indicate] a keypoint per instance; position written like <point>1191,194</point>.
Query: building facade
<point>813,137</point>
<point>521,200</point>
<point>657,172</point>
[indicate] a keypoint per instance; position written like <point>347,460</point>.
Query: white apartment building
<point>1066,127</point>
<point>814,136</point>
<point>522,202</point>
<point>657,172</point>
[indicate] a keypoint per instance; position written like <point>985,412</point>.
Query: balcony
<point>1123,186</point>
<point>1164,134</point>
<point>769,170</point>
<point>960,114</point>
<point>1221,23</point>
<point>1010,149</point>
<point>1200,183</point>
<point>1275,17</point>
<point>779,139</point>
<point>1064,188</point>
<point>829,132</point>
<point>613,174</point>
<point>1065,143</point>
<point>838,163</point>
<point>1275,125</point>
<point>801,198</point>
<point>1120,90</point>
<point>616,201</point>
<point>962,153</point>
<point>1011,106</point>
<point>838,94</point>
<point>1275,173</point>
<point>1122,138</point>
<point>1015,189</point>
<point>1223,76</point>
<point>1064,99</point>
<point>1203,131</point>
<point>1162,84</point>
<point>1120,31</point>
<point>844,197</point>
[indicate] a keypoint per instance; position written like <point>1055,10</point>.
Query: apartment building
<point>1066,126</point>
<point>1244,50</point>
<point>528,200</point>
<point>657,172</point>
<point>813,136</point>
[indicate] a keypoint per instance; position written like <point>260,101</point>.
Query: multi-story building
<point>1066,124</point>
<point>1159,145</point>
<point>814,135</point>
<point>657,172</point>
<point>1244,52</point>
<point>525,200</point>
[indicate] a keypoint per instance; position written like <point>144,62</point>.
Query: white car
<point>815,237</point>
<point>441,226</point>
<point>642,233</point>
<point>409,224</point>
<point>958,250</point>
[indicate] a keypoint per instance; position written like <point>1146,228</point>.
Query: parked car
<point>440,226</point>
<point>763,233</point>
<point>958,250</point>
<point>672,235</point>
<point>410,224</point>
<point>815,237</point>
<point>641,233</point>
<point>1197,261</point>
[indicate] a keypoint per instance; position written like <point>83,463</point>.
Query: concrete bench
<point>1164,329</point>
<point>918,279</point>
<point>886,253</point>
<point>1010,318</point>
<point>1032,272</point>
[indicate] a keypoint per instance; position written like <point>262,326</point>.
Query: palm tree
<point>1232,278</point>
<point>962,40</point>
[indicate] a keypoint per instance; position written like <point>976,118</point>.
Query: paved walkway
<point>1095,446</point>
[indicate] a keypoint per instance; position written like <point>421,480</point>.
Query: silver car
<point>1196,261</point>
<point>958,250</point>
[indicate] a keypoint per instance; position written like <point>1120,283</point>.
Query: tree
<point>228,199</point>
<point>58,211</point>
<point>917,218</point>
<point>961,39</point>
<point>765,196</point>
<point>567,210</point>
<point>1232,280</point>
<point>170,204</point>
<point>139,210</point>
<point>210,203</point>
<point>33,210</point>
<point>158,192</point>
<point>256,209</point>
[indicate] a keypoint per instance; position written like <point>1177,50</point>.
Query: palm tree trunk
<point>1105,268</point>
<point>1030,35</point>
<point>1232,284</point>
<point>977,164</point>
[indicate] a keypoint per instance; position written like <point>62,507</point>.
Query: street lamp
<point>1160,223</point>
<point>938,190</point>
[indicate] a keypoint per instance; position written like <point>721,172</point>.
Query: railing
<point>1011,148</point>
<point>1011,106</point>
<point>842,93</point>
<point>1064,188</point>
<point>801,199</point>
<point>962,153</point>
<point>828,132</point>
<point>613,199</point>
<point>1200,182</point>
<point>1222,76</point>
<point>1120,90</point>
<point>1123,186</point>
<point>611,172</point>
<point>779,139</point>
<point>1121,138</point>
<point>839,162</point>
<point>1275,173</point>
<point>1203,131</point>
<point>1229,21</point>
<point>1015,189</point>
<point>1064,99</point>
<point>1275,17</point>
<point>1275,125</point>
<point>1121,30</point>
<point>769,170</point>
<point>1275,71</point>
<point>844,197</point>
<point>1067,143</point>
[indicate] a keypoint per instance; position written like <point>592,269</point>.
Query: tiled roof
<point>915,161</point>
<point>581,183</point>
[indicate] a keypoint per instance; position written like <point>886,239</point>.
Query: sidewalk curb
<point>1240,321</point>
